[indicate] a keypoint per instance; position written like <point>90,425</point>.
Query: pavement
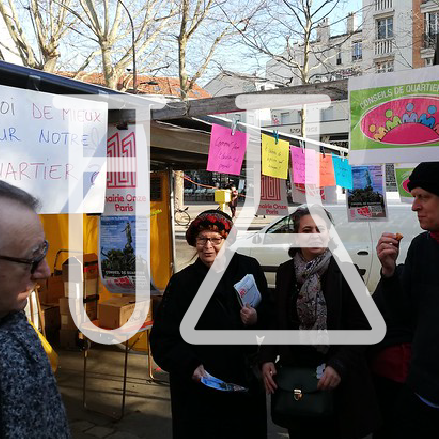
<point>148,405</point>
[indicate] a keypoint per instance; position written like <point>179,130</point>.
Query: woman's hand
<point>249,316</point>
<point>268,371</point>
<point>199,373</point>
<point>330,379</point>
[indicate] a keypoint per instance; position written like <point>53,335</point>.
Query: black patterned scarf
<point>311,302</point>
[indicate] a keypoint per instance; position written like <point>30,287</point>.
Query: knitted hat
<point>212,220</point>
<point>425,176</point>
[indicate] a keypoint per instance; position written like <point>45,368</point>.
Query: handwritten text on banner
<point>274,157</point>
<point>226,151</point>
<point>48,141</point>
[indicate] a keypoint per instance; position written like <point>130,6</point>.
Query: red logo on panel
<point>270,189</point>
<point>123,173</point>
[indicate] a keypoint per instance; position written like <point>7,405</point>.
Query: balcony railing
<point>382,5</point>
<point>384,47</point>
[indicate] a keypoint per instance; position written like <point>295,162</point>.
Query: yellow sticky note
<point>274,157</point>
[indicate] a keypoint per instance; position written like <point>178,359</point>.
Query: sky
<point>239,62</point>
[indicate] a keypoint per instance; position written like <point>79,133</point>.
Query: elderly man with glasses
<point>30,404</point>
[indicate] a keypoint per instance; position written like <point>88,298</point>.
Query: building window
<point>338,60</point>
<point>357,50</point>
<point>431,26</point>
<point>284,118</point>
<point>384,66</point>
<point>383,4</point>
<point>327,114</point>
<point>384,28</point>
<point>428,62</point>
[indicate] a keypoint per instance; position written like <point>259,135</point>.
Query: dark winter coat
<point>198,411</point>
<point>30,404</point>
<point>355,403</point>
<point>415,297</point>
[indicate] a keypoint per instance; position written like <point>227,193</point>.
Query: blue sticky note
<point>342,172</point>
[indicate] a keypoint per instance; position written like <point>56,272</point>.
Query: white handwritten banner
<point>49,143</point>
<point>226,150</point>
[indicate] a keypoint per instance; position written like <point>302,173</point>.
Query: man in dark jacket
<point>30,404</point>
<point>415,296</point>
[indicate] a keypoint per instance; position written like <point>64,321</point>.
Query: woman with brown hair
<point>198,411</point>
<point>312,294</point>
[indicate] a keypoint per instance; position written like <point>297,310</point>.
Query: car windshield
<point>285,225</point>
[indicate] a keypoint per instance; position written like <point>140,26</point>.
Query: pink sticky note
<point>304,165</point>
<point>226,151</point>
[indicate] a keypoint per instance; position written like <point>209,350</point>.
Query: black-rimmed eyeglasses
<point>32,262</point>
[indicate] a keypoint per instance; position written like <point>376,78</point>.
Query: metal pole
<point>133,48</point>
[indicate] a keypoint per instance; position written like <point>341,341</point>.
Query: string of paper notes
<point>227,149</point>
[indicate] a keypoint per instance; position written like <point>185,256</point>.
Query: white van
<point>360,240</point>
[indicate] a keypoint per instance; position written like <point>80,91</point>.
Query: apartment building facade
<point>395,35</point>
<point>425,31</point>
<point>331,57</point>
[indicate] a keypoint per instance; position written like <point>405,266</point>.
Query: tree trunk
<point>182,67</point>
<point>107,67</point>
<point>50,63</point>
<point>305,69</point>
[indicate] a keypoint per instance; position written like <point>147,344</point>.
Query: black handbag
<point>297,396</point>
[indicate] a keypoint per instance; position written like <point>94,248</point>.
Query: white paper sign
<point>124,192</point>
<point>273,197</point>
<point>49,143</point>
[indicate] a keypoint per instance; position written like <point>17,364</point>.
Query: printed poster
<point>49,143</point>
<point>124,253</point>
<point>402,173</point>
<point>274,157</point>
<point>226,150</point>
<point>394,117</point>
<point>126,188</point>
<point>367,199</point>
<point>273,197</point>
<point>391,185</point>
